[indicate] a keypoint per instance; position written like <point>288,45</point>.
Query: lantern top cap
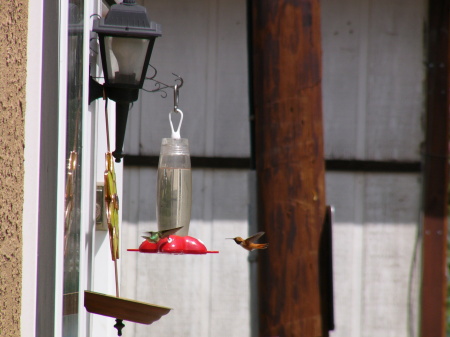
<point>127,19</point>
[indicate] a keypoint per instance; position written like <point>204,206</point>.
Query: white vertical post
<point>31,178</point>
<point>88,181</point>
<point>61,163</point>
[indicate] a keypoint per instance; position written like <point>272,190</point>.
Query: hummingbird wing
<point>150,233</point>
<point>260,245</point>
<point>167,232</point>
<point>254,237</point>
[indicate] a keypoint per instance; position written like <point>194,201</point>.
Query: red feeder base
<point>174,244</point>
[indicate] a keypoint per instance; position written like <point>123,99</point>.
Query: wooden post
<point>286,74</point>
<point>434,280</point>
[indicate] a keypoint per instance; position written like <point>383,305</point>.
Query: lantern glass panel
<point>125,57</point>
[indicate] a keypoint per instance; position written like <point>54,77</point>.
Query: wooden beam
<point>434,281</point>
<point>245,163</point>
<point>196,162</point>
<point>376,166</point>
<point>286,84</point>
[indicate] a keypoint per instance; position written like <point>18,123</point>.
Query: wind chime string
<point>106,121</point>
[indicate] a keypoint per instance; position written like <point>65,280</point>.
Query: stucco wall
<point>13,47</point>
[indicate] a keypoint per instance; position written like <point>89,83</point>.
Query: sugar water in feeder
<point>174,182</point>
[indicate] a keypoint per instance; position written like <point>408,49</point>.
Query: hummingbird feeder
<point>174,244</point>
<point>174,193</point>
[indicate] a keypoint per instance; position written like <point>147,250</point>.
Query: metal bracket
<point>100,212</point>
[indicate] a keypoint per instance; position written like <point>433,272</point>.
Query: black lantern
<point>126,37</point>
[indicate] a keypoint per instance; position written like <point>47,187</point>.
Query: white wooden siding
<point>209,294</point>
<point>373,78</point>
<point>375,257</point>
<point>373,82</point>
<point>205,43</point>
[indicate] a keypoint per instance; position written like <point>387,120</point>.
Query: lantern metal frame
<point>124,20</point>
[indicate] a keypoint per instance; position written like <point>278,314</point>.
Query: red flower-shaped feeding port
<point>174,244</point>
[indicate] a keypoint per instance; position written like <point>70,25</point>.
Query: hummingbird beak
<point>229,238</point>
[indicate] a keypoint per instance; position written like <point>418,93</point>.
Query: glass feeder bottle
<point>174,186</point>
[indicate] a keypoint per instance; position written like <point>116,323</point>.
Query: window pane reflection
<point>73,173</point>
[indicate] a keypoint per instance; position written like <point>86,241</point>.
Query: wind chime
<point>126,37</point>
<point>117,307</point>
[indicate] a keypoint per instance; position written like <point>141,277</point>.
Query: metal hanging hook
<point>176,97</point>
<point>178,78</point>
<point>176,100</point>
<point>176,92</point>
<point>154,74</point>
<point>160,86</point>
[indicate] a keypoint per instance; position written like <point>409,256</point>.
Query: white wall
<point>205,43</point>
<point>373,107</point>
<point>209,294</point>
<point>373,94</point>
<point>374,250</point>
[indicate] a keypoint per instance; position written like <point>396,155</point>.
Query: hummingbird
<point>154,237</point>
<point>249,242</point>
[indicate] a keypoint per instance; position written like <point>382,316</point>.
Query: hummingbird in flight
<point>249,242</point>
<point>154,237</point>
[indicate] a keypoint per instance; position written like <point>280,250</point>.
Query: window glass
<point>73,172</point>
